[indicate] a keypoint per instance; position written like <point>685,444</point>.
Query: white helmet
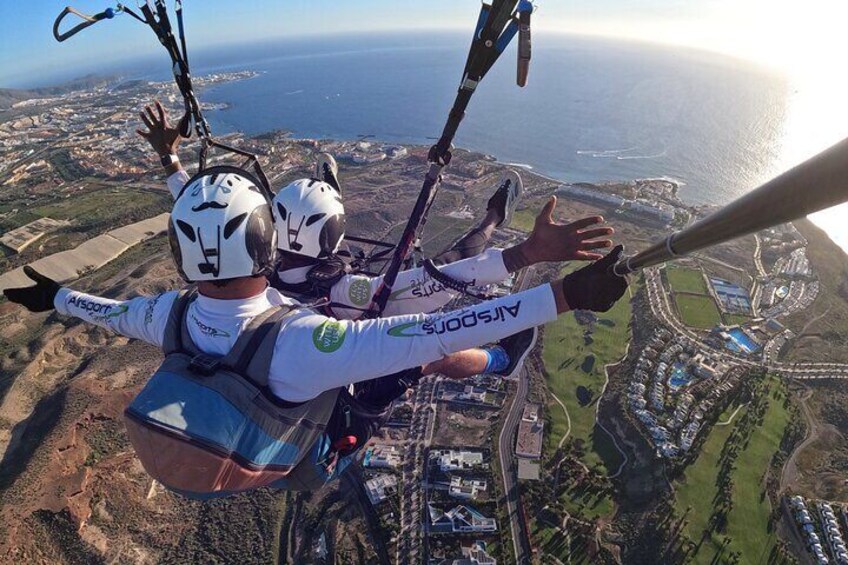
<point>310,218</point>
<point>221,227</point>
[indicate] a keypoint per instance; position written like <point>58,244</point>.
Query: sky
<point>776,32</point>
<point>805,40</point>
<point>779,33</point>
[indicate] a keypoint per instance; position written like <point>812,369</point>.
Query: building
<point>466,489</point>
<point>396,152</point>
<point>472,394</point>
<point>733,298</point>
<point>320,548</point>
<point>450,460</point>
<point>645,208</point>
<point>382,457</point>
<point>592,195</point>
<point>459,519</point>
<point>381,488</point>
<point>473,555</point>
<point>530,433</point>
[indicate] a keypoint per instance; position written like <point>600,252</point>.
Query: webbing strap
<point>172,341</point>
<point>251,337</point>
<point>255,364</point>
<point>447,281</point>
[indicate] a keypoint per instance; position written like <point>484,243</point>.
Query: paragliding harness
<point>154,14</point>
<point>207,426</point>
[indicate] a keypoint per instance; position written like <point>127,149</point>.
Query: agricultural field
<point>103,205</point>
<point>686,280</point>
<point>698,311</point>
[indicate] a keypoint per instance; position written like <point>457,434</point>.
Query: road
<point>509,470</point>
<point>508,462</point>
<point>412,501</point>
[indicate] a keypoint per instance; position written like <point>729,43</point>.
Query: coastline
<point>221,109</point>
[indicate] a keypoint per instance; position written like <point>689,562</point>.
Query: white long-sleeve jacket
<point>414,290</point>
<point>315,353</point>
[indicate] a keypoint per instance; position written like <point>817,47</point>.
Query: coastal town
<point>614,424</point>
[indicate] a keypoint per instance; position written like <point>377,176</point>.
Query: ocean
<point>595,109</point>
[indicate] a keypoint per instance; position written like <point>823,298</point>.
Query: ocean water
<point>595,110</point>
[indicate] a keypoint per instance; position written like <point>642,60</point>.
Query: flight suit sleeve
<point>176,182</point>
<point>315,353</point>
<point>144,317</point>
<point>415,291</point>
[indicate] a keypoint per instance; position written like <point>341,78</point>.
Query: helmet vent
<point>283,213</point>
<point>314,218</point>
<point>233,225</point>
<point>187,230</point>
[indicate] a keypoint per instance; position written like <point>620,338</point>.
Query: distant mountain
<point>9,96</point>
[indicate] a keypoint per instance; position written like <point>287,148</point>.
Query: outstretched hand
<point>38,298</point>
<point>163,137</point>
<point>553,241</point>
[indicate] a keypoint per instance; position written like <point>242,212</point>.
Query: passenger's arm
<point>315,353</point>
<point>554,241</point>
<point>415,291</point>
<point>164,138</point>
<point>177,181</point>
<point>144,317</point>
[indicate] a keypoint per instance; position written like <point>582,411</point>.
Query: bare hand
<point>552,241</point>
<point>162,136</point>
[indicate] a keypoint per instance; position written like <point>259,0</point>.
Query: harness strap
<point>256,363</point>
<point>172,341</point>
<point>187,344</point>
<point>251,338</point>
<point>464,287</point>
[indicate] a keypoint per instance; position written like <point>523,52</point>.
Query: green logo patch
<point>400,331</point>
<point>329,336</point>
<point>359,292</point>
<point>119,311</point>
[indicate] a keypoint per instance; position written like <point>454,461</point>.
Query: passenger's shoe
<point>506,198</point>
<point>327,170</point>
<point>517,346</point>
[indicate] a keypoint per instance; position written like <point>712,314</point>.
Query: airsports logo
<point>329,336</point>
<point>150,308</point>
<point>209,330</point>
<point>359,292</point>
<point>465,319</point>
<point>97,310</point>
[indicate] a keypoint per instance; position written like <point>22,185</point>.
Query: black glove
<point>38,298</point>
<point>595,287</point>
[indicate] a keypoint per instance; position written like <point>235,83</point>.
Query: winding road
<point>509,470</point>
<point>506,456</point>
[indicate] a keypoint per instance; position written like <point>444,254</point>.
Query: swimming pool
<point>742,342</point>
<point>679,376</point>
